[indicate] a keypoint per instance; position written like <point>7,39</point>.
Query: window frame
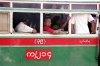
<point>41,11</point>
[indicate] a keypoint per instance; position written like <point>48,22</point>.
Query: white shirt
<point>81,23</point>
<point>21,27</point>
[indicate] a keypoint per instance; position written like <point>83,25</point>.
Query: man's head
<point>23,18</point>
<point>47,22</point>
<point>56,20</point>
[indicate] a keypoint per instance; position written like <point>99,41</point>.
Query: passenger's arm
<point>72,29</point>
<point>93,27</point>
<point>66,22</point>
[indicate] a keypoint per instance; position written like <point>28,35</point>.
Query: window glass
<point>26,5</point>
<point>54,23</point>
<point>4,22</point>
<point>26,22</point>
<point>55,6</point>
<point>84,6</point>
<point>4,4</point>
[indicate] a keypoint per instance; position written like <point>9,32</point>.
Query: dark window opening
<point>33,20</point>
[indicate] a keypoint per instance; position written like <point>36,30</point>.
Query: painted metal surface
<point>45,10</point>
<point>48,51</point>
<point>48,41</point>
<point>61,56</point>
<point>70,52</point>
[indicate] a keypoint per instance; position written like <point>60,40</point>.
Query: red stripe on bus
<point>48,41</point>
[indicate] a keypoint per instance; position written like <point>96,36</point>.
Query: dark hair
<point>93,15</point>
<point>54,20</point>
<point>46,19</point>
<point>23,17</point>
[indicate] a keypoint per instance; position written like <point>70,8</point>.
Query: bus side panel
<point>61,56</point>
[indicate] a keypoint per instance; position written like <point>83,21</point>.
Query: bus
<point>43,48</point>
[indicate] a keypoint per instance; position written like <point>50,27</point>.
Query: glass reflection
<point>84,6</point>
<point>4,4</point>
<point>55,6</point>
<point>26,5</point>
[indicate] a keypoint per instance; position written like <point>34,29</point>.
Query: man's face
<point>48,22</point>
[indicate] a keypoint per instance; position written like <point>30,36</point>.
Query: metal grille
<point>4,22</point>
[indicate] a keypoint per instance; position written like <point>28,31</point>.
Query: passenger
<point>99,43</point>
<point>56,23</point>
<point>22,26</point>
<point>79,24</point>
<point>89,23</point>
<point>65,24</point>
<point>47,24</point>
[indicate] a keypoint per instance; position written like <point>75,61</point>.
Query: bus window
<point>4,22</point>
<point>26,5</point>
<point>84,6</point>
<point>83,23</point>
<point>4,4</point>
<point>58,23</point>
<point>55,6</point>
<point>32,20</point>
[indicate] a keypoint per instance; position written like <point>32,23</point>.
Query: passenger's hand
<point>58,31</point>
<point>34,31</point>
<point>13,30</point>
<point>68,18</point>
<point>61,29</point>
